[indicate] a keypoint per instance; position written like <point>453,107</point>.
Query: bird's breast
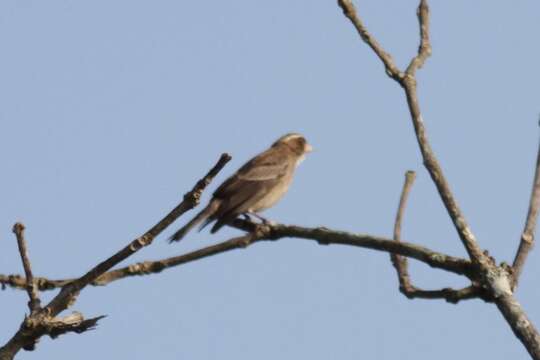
<point>273,195</point>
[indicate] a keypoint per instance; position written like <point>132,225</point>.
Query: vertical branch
<point>527,237</point>
<point>34,303</point>
<point>432,165</point>
<point>400,262</point>
<point>430,161</point>
<point>424,50</point>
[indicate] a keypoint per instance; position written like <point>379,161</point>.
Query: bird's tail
<point>204,214</point>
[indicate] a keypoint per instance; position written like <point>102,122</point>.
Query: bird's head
<point>296,142</point>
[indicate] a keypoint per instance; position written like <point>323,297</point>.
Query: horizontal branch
<point>448,294</point>
<point>41,283</point>
<point>258,233</point>
<point>326,236</point>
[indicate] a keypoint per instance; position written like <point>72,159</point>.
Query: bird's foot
<point>263,220</point>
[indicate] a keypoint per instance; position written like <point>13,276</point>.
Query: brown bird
<point>256,186</point>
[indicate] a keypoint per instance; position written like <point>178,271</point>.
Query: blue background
<point>111,110</point>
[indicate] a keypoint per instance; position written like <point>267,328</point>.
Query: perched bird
<point>256,186</point>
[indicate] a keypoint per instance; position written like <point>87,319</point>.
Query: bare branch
<point>42,284</point>
<point>39,323</point>
<point>408,82</point>
<point>350,12</point>
<point>34,303</point>
<point>399,262</point>
<point>432,165</point>
<point>527,237</point>
<point>191,199</point>
<point>495,279</point>
<point>521,325</point>
<point>272,232</point>
<point>430,161</point>
<point>424,50</point>
<point>448,294</point>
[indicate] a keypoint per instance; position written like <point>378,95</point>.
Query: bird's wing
<point>267,166</point>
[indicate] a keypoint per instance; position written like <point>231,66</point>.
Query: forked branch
<point>401,264</point>
<point>44,321</point>
<point>496,280</point>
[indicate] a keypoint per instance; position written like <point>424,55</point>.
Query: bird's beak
<point>308,148</point>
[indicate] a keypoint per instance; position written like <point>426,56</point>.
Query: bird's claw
<point>263,220</point>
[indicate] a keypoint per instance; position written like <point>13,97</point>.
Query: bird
<point>256,186</point>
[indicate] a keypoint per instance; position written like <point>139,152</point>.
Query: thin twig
<point>527,237</point>
<point>390,67</point>
<point>31,289</point>
<point>399,262</point>
<point>19,282</point>
<point>448,294</point>
<point>191,199</point>
<point>424,50</point>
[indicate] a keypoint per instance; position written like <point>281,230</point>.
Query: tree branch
<point>390,67</point>
<point>408,82</point>
<point>263,232</point>
<point>44,321</point>
<point>448,294</point>
<point>31,289</point>
<point>496,280</point>
<point>424,50</point>
<point>42,283</point>
<point>527,237</point>
<point>191,199</point>
<point>400,263</point>
<point>34,302</point>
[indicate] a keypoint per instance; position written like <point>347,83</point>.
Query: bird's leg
<point>263,220</point>
<point>247,217</point>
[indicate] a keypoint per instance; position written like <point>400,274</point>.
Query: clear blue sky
<point>110,110</point>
